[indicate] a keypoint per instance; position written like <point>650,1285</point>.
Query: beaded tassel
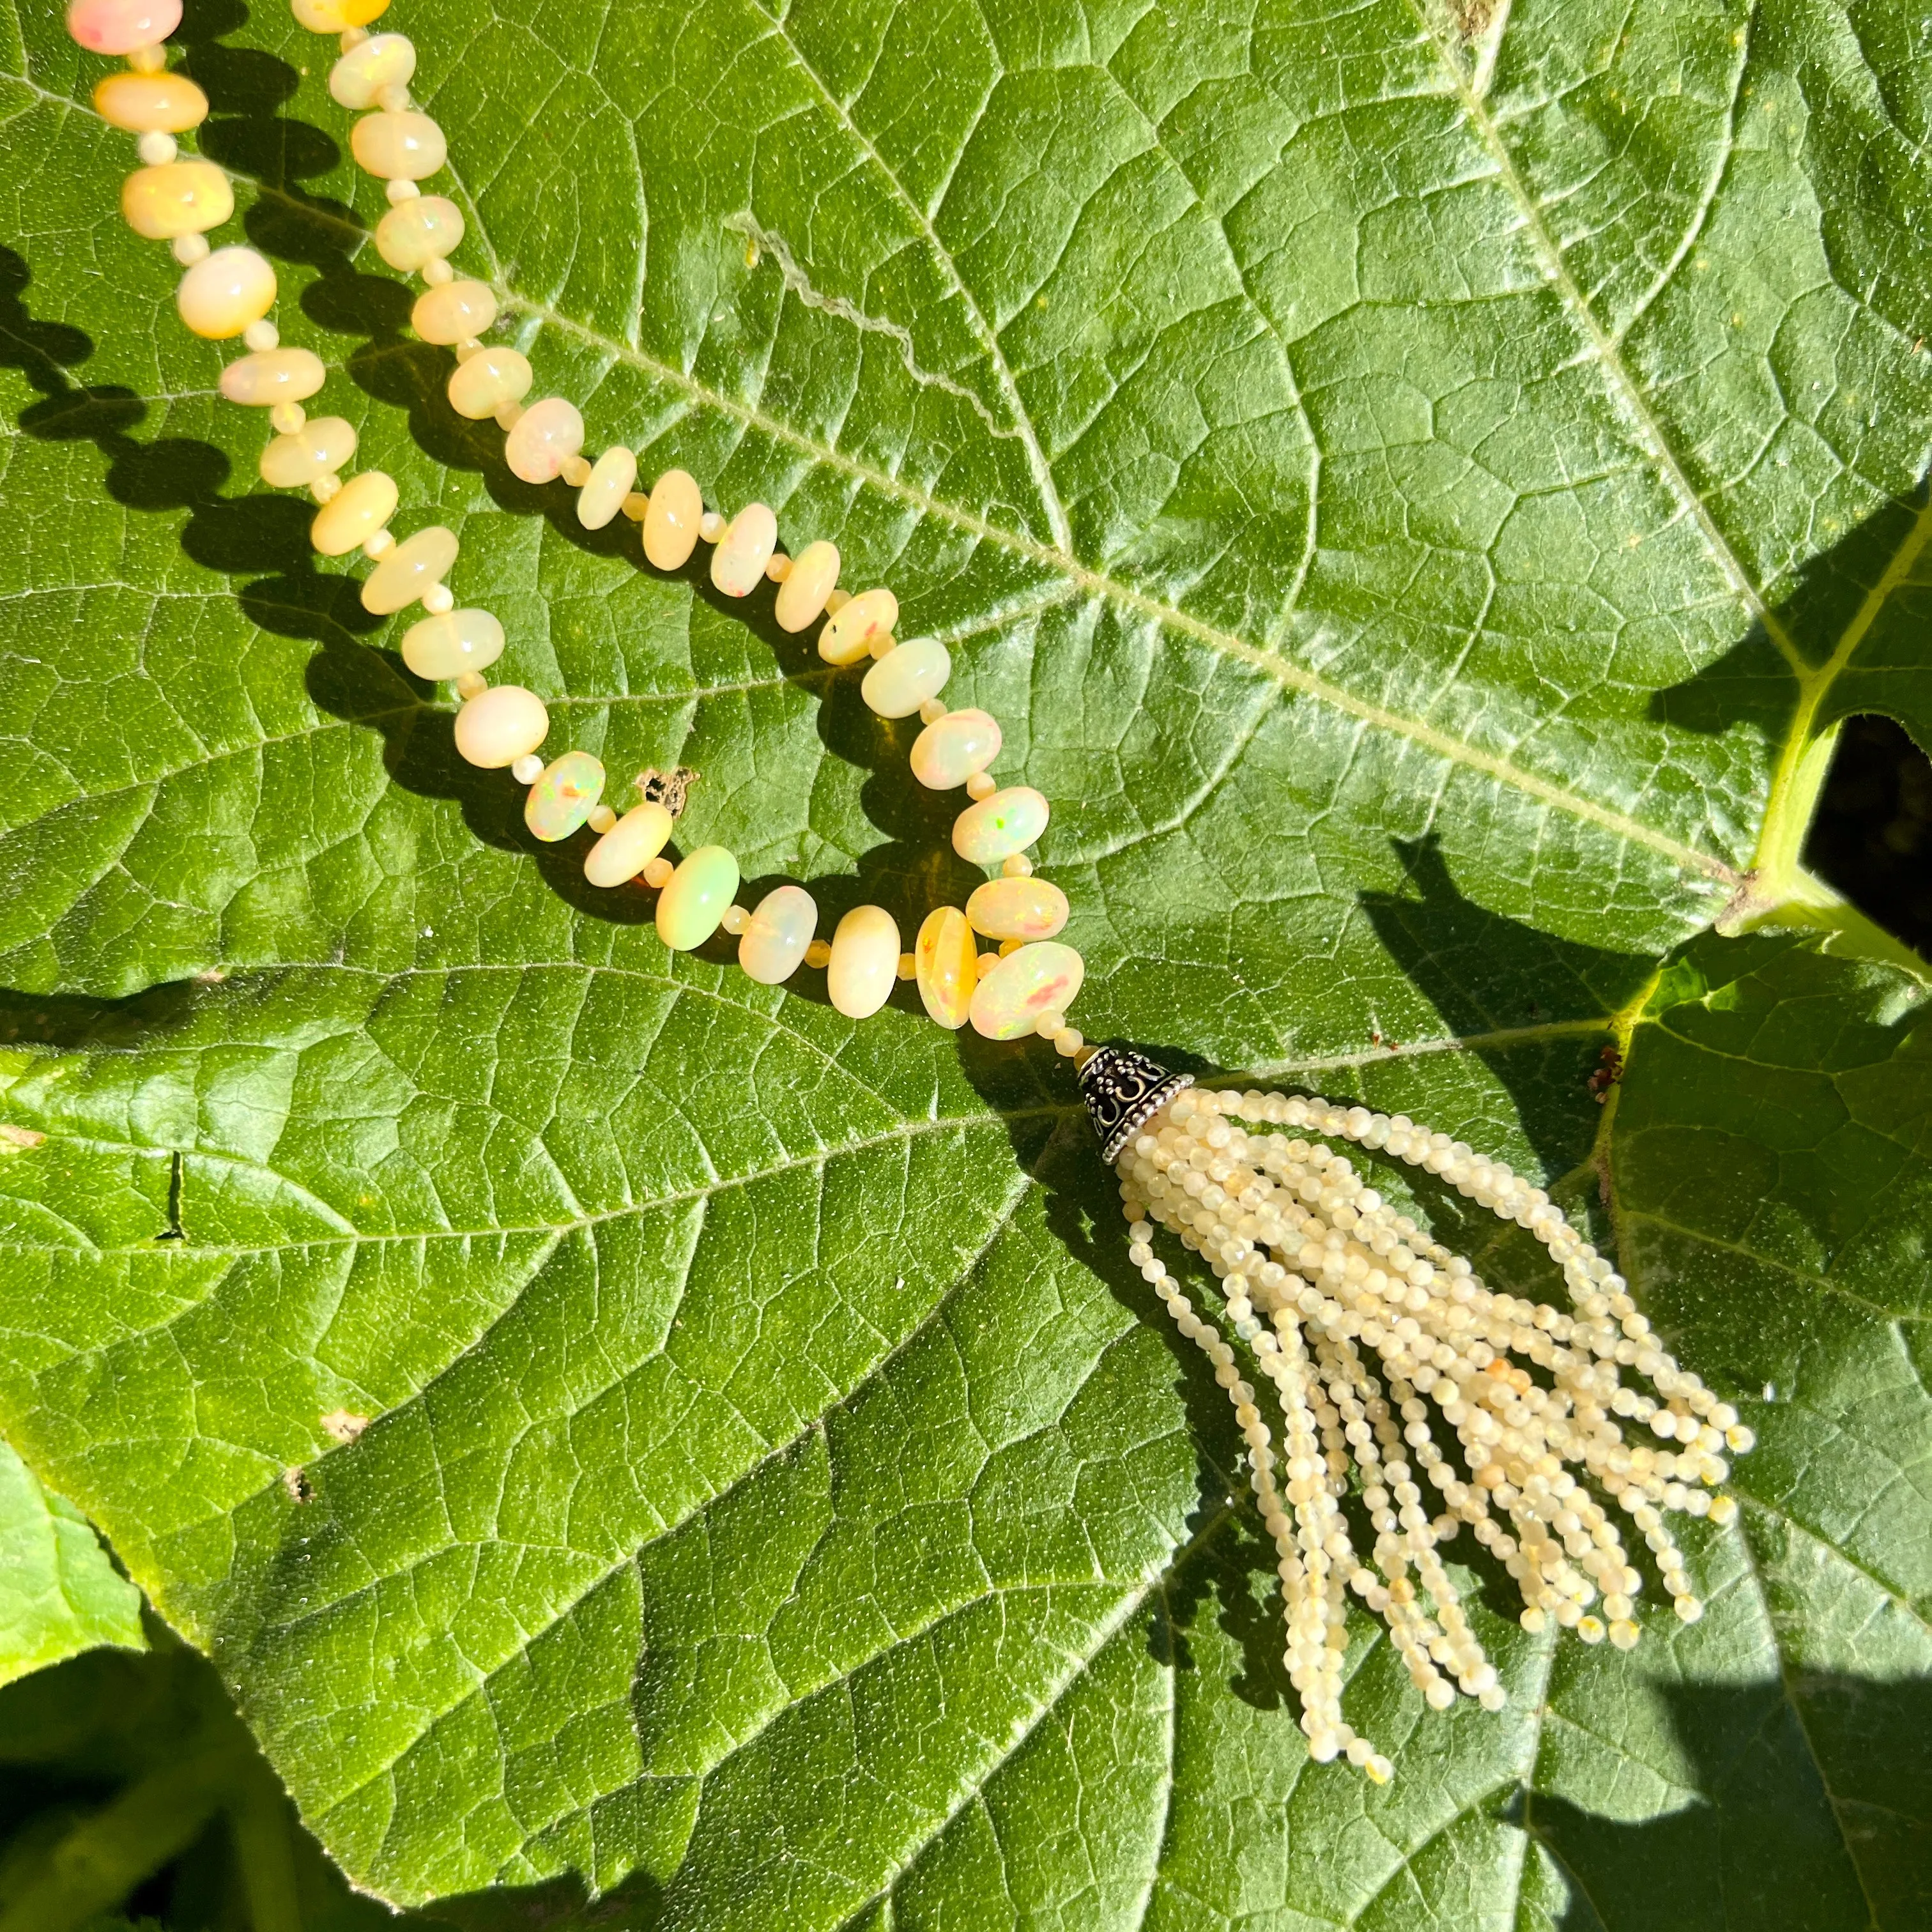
<point>1368,1332</point>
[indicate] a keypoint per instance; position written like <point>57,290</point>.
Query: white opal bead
<point>167,104</point>
<point>848,635</point>
<point>446,646</point>
<point>606,486</point>
<point>271,375</point>
<point>946,962</point>
<point>1017,908</point>
<point>864,964</point>
<point>178,198</point>
<point>496,726</point>
<point>906,677</point>
<point>998,826</point>
<point>801,599</point>
<point>398,147</point>
<point>355,514</point>
<point>225,291</point>
<point>738,563</point>
<point>417,232</point>
<point>336,17</point>
<point>1037,978</point>
<point>117,27</point>
<point>671,523</point>
<point>408,571</point>
<point>629,846</point>
<point>455,312</point>
<point>546,433</point>
<point>954,748</point>
<point>384,60</point>
<point>319,448</point>
<point>487,381</point>
<point>774,943</point>
<point>563,796</point>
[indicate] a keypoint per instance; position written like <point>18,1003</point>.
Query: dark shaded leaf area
<point>1421,487</point>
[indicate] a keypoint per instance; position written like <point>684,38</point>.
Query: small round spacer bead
<point>261,335</point>
<point>437,273</point>
<point>438,599</point>
<point>657,874</point>
<point>148,59</point>
<point>383,541</point>
<point>932,711</point>
<point>778,566</point>
<point>401,190</point>
<point>528,768</point>
<point>836,600</point>
<point>1019,866</point>
<point>157,149</point>
<point>1048,1023</point>
<point>1068,1041</point>
<point>472,684</point>
<point>1007,946</point>
<point>352,38</point>
<point>469,346</point>
<point>326,489</point>
<point>600,818</point>
<point>711,526</point>
<point>908,966</point>
<point>735,920</point>
<point>981,784</point>
<point>288,419</point>
<point>575,471</point>
<point>818,955</point>
<point>635,505</point>
<point>508,415</point>
<point>189,249</point>
<point>987,962</point>
<point>393,99</point>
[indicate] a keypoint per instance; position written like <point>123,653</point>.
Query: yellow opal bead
<point>954,748</point>
<point>996,827</point>
<point>319,448</point>
<point>560,800</point>
<point>946,963</point>
<point>849,632</point>
<point>384,60</point>
<point>694,901</point>
<point>418,231</point>
<point>779,934</point>
<point>864,964</point>
<point>629,846</point>
<point>184,197</point>
<point>801,599</point>
<point>606,486</point>
<point>454,312</point>
<point>415,566</point>
<point>498,726</point>
<point>1041,978</point>
<point>480,386</point>
<point>336,16</point>
<point>354,514</point>
<point>738,563</point>
<point>1017,908</point>
<point>404,146</point>
<point>448,645</point>
<point>225,292</point>
<point>906,677</point>
<point>267,376</point>
<point>118,27</point>
<point>670,522</point>
<point>150,103</point>
<point>545,434</point>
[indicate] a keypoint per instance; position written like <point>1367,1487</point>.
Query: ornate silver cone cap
<point>1123,1090</point>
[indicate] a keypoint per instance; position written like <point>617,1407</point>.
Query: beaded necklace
<point>1367,1329</point>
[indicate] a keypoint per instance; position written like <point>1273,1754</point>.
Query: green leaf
<point>59,1594</point>
<point>1418,488</point>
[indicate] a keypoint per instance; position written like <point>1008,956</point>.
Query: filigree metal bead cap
<point>1123,1090</point>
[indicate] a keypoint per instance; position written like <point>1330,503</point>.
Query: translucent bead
<point>189,249</point>
<point>487,381</point>
<point>657,874</point>
<point>288,419</point>
<point>712,526</point>
<point>319,448</point>
<point>416,233</point>
<point>1038,979</point>
<point>336,16</point>
<point>546,433</point>
<point>158,150</point>
<point>168,104</point>
<point>496,727</point>
<point>354,515</point>
<point>225,291</point>
<point>1008,822</point>
<point>604,489</point>
<point>738,563</point>
<point>629,846</point>
<point>848,635</point>
<point>904,678</point>
<point>260,334</point>
<point>865,962</point>
<point>779,935</point>
<point>694,901</point>
<point>178,198</point>
<point>671,523</point>
<point>271,375</point>
<point>1018,909</point>
<point>945,963</point>
<point>601,819</point>
<point>398,147</point>
<point>454,312</point>
<point>778,566</point>
<point>560,800</point>
<point>801,599</point>
<point>957,747</point>
<point>437,648</point>
<point>385,60</point>
<point>575,471</point>
<point>406,572</point>
<point>117,27</point>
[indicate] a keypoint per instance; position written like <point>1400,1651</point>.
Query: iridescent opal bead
<point>738,563</point>
<point>225,292</point>
<point>629,846</point>
<point>424,228</point>
<point>801,599</point>
<point>1041,978</point>
<point>480,386</point>
<point>498,726</point>
<point>414,566</point>
<point>384,60</point>
<point>953,748</point>
<point>865,963</point>
<point>404,146</point>
<point>1020,908</point>
<point>560,800</point>
<point>355,514</point>
<point>117,27</point>
<point>446,646</point>
<point>998,827</point>
<point>671,523</point>
<point>850,631</point>
<point>906,677</point>
<point>150,103</point>
<point>271,375</point>
<point>694,901</point>
<point>774,941</point>
<point>454,312</point>
<point>183,197</point>
<point>946,963</point>
<point>546,434</point>
<point>604,489</point>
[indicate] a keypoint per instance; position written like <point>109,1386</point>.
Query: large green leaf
<point>1419,490</point>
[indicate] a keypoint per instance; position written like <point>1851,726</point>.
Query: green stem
<point>259,1816</point>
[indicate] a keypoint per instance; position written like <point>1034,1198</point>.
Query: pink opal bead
<point>951,749</point>
<point>115,27</point>
<point>546,434</point>
<point>1018,909</point>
